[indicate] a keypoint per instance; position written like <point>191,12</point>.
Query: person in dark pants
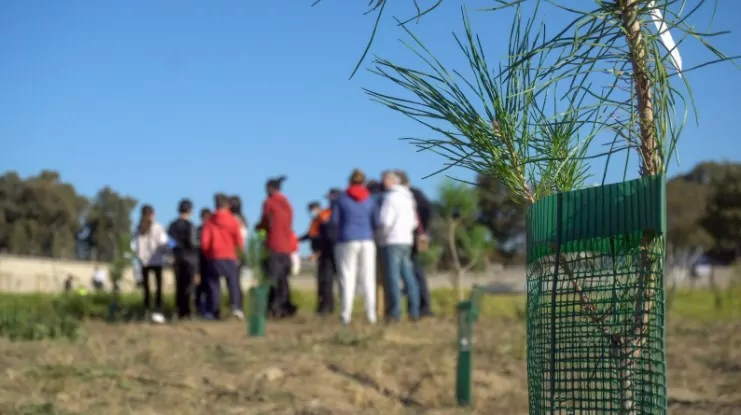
<point>149,247</point>
<point>382,306</point>
<point>277,222</point>
<point>321,236</point>
<point>424,215</point>
<point>185,253</point>
<point>235,206</point>
<point>314,238</point>
<point>220,241</point>
<point>326,264</point>
<point>200,284</point>
<point>312,235</point>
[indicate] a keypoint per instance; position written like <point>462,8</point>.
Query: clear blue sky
<point>170,99</point>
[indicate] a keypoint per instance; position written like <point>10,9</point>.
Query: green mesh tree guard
<point>595,300</point>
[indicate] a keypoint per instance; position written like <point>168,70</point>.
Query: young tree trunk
<point>458,278</point>
<point>651,164</point>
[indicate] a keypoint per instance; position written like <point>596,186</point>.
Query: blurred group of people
<point>369,235</point>
<point>204,255</point>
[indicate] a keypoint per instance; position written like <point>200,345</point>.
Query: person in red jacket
<point>277,222</point>
<point>221,239</point>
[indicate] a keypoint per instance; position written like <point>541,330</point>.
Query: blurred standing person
<point>149,247</point>
<point>185,253</point>
<point>398,220</point>
<point>99,277</point>
<point>322,238</point>
<point>221,240</point>
<point>312,235</point>
<point>295,256</point>
<point>326,264</point>
<point>355,216</point>
<point>376,189</point>
<point>424,216</point>
<point>277,222</point>
<point>200,283</point>
<point>235,206</point>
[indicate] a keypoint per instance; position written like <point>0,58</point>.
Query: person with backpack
<point>185,254</point>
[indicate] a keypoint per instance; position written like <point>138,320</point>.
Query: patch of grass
<point>45,316</point>
<point>95,306</point>
<point>706,305</point>
<point>34,318</point>
<point>46,408</point>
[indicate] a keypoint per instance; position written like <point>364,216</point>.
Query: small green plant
<point>37,320</point>
<point>121,261</point>
<point>430,258</point>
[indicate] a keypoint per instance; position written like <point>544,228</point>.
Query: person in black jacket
<point>185,253</point>
<point>200,285</point>
<point>322,246</point>
<point>424,215</point>
<point>312,235</point>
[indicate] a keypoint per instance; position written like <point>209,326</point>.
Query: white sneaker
<point>158,318</point>
<point>238,314</point>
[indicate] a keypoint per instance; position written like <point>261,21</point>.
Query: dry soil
<point>307,366</point>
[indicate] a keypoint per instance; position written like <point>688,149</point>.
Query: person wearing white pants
<point>356,259</point>
<point>354,221</point>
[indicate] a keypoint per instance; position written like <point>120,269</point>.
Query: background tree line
<point>703,213</point>
<point>45,216</point>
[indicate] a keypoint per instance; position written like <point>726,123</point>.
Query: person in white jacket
<point>150,245</point>
<point>397,222</point>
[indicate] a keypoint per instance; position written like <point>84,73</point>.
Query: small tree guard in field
<point>595,300</point>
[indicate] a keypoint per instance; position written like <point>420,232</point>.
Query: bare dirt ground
<point>306,367</point>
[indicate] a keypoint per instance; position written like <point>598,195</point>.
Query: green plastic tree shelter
<point>258,303</point>
<point>464,367</point>
<point>595,300</point>
<point>468,314</point>
<point>258,295</point>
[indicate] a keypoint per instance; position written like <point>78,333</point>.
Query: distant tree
<point>723,218</point>
<point>430,259</point>
<point>686,205</point>
<point>39,215</point>
<point>45,216</point>
<point>467,240</point>
<point>108,216</point>
<point>503,214</point>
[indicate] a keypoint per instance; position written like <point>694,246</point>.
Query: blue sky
<point>170,99</point>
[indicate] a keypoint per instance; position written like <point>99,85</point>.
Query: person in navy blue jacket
<point>355,219</point>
